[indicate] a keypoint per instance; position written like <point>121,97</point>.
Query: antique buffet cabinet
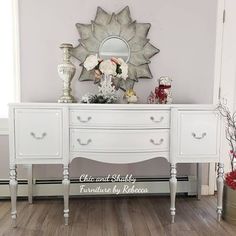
<point>48,133</point>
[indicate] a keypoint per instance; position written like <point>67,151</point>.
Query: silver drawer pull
<point>84,144</point>
<point>199,137</point>
<point>38,137</point>
<point>84,121</point>
<point>157,121</point>
<point>159,143</point>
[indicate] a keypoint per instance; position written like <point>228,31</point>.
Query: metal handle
<point>157,121</point>
<point>159,143</point>
<point>84,121</point>
<point>84,144</point>
<point>199,137</point>
<point>38,137</point>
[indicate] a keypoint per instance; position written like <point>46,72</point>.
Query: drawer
<point>120,118</point>
<point>198,134</point>
<point>38,133</point>
<point>86,140</point>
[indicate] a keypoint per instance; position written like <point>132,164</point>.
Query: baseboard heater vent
<point>53,187</point>
<point>138,180</point>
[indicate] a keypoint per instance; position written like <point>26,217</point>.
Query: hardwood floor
<point>134,216</point>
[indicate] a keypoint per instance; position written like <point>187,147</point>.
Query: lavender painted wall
<point>184,31</point>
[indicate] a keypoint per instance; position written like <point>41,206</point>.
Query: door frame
<point>220,19</point>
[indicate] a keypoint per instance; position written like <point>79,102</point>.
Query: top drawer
<point>120,118</point>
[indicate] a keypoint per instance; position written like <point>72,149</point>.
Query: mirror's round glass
<point>114,47</point>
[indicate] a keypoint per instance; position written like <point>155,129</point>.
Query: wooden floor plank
<point>111,221</point>
<point>151,218</point>
<point>95,218</point>
<point>122,210</point>
<point>138,221</point>
<point>123,216</point>
<point>54,217</point>
<point>79,216</point>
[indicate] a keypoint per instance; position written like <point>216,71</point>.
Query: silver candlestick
<point>66,71</point>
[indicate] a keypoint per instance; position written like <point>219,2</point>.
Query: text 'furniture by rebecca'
<point>50,133</point>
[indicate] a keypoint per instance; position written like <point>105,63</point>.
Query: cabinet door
<point>38,133</point>
<point>195,136</point>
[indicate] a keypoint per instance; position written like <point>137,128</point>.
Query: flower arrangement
<point>105,72</point>
<point>115,67</point>
<point>230,132</point>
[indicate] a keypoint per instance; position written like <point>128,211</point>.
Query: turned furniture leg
<point>220,186</point>
<point>66,190</point>
<point>199,180</point>
<point>13,192</point>
<point>30,183</point>
<point>173,188</point>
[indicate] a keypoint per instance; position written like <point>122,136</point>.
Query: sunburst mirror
<point>116,35</point>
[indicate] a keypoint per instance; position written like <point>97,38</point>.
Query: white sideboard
<point>50,133</point>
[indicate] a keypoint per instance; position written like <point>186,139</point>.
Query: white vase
<point>66,71</point>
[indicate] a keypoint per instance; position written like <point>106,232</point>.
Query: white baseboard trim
<point>42,188</point>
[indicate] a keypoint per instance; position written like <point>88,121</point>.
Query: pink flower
<point>108,67</point>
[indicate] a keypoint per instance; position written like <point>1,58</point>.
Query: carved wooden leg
<point>30,184</point>
<point>220,186</point>
<point>66,190</point>
<point>13,192</point>
<point>173,188</point>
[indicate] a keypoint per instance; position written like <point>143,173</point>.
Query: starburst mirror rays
<point>119,36</point>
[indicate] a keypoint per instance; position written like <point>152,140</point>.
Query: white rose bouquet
<point>91,62</point>
<point>115,67</point>
<point>106,71</point>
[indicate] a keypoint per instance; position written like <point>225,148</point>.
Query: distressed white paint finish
<point>190,136</point>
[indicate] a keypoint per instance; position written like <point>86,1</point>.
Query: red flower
<point>230,179</point>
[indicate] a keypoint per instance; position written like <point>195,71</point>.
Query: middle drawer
<point>90,140</point>
<point>120,118</point>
